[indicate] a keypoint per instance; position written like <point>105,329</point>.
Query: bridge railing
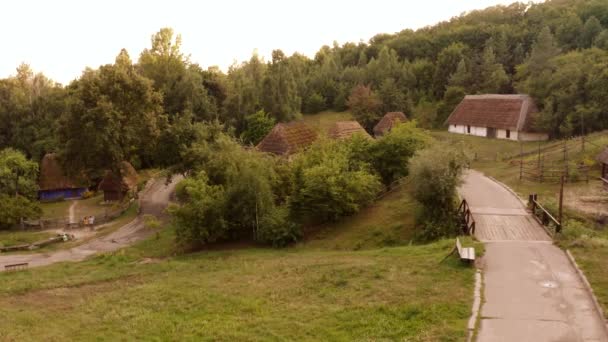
<point>543,214</point>
<point>466,218</point>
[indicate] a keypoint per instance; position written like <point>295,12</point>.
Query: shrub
<point>435,174</point>
<point>276,229</point>
<point>258,125</point>
<point>314,103</point>
<point>327,187</point>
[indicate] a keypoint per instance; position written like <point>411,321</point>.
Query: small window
<point>508,134</point>
<point>468,129</point>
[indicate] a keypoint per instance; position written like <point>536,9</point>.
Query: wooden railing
<point>466,218</point>
<point>605,181</point>
<point>543,214</point>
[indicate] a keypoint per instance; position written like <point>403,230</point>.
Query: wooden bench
<point>466,253</point>
<point>16,267</point>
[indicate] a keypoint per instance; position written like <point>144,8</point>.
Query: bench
<point>466,253</point>
<point>16,267</point>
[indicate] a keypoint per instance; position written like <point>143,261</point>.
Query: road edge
<point>589,289</point>
<point>476,309</point>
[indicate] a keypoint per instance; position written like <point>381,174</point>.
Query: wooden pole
<point>521,160</point>
<point>538,166</point>
<point>561,204</point>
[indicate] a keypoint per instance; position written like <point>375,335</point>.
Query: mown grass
<point>324,120</point>
<point>344,286</point>
<point>400,293</point>
<point>21,237</point>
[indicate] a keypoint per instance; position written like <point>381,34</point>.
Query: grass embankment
<point>308,292</point>
<point>12,238</point>
<point>585,232</point>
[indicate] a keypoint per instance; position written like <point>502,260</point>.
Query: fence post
<point>561,203</point>
<point>521,160</point>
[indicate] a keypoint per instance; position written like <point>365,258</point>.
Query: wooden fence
<point>466,218</point>
<point>605,181</point>
<point>543,215</point>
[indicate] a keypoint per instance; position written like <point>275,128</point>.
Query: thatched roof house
<point>346,129</point>
<point>602,158</point>
<point>497,116</point>
<point>388,121</point>
<point>116,187</point>
<point>53,182</point>
<point>287,138</point>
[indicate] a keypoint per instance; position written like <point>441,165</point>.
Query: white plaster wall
<point>462,129</point>
<point>502,134</point>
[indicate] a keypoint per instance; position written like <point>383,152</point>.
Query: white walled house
<point>497,116</point>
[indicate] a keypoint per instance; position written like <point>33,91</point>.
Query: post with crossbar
<point>561,205</point>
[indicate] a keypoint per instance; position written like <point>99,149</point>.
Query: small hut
<point>54,184</point>
<point>388,121</point>
<point>115,187</point>
<point>602,158</point>
<point>287,138</point>
<point>346,129</point>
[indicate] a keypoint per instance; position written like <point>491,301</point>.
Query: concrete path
<point>531,290</point>
<point>153,201</point>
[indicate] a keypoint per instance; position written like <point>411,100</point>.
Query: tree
<point>394,99</point>
<point>258,126</point>
<point>447,62</point>
<point>493,78</point>
<point>112,117</point>
<point>590,31</point>
<point>18,188</point>
<point>461,77</point>
<point>534,74</point>
<point>390,155</point>
<point>453,96</point>
<point>281,98</point>
<point>435,175</point>
<point>365,106</point>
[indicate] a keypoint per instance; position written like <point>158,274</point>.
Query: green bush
<point>326,185</point>
<point>276,229</point>
<point>314,103</point>
<point>435,175</point>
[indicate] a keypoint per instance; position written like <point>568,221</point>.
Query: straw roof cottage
<point>497,116</point>
<point>115,187</point>
<point>346,129</point>
<point>388,121</point>
<point>54,183</point>
<point>287,138</point>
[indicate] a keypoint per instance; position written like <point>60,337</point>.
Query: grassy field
<point>322,289</point>
<point>12,238</point>
<point>324,120</point>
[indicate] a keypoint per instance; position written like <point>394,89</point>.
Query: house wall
<point>110,196</point>
<point>527,136</point>
<point>58,194</point>
<point>462,129</point>
<point>502,134</point>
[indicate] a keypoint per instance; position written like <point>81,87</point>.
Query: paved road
<point>153,201</point>
<point>531,290</point>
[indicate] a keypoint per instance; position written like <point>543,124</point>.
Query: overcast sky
<point>62,37</point>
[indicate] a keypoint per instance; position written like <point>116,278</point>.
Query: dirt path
<point>531,290</point>
<point>72,212</point>
<point>154,200</point>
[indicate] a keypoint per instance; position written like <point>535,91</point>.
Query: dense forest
<point>164,110</point>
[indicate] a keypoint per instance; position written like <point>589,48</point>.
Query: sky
<point>62,37</point>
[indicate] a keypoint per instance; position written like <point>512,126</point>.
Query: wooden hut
<point>287,138</point>
<point>388,121</point>
<point>497,116</point>
<point>602,158</point>
<point>115,187</point>
<point>54,184</point>
<point>346,129</point>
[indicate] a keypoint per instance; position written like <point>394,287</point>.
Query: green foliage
<point>200,219</point>
<point>315,103</point>
<point>327,186</point>
<point>15,208</point>
<point>112,117</point>
<point>365,106</point>
<point>389,156</point>
<point>18,175</point>
<point>435,175</point>
<point>453,96</point>
<point>276,229</point>
<point>280,96</point>
<point>258,125</point>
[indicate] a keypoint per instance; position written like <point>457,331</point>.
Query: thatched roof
<point>346,129</point>
<point>388,122</point>
<point>603,156</point>
<point>52,176</point>
<point>287,138</point>
<point>127,180</point>
<point>515,112</point>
